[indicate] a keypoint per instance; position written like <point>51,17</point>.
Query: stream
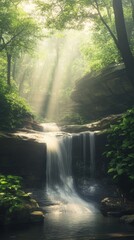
<point>67,215</point>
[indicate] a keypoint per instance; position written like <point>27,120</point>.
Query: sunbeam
<point>47,78</point>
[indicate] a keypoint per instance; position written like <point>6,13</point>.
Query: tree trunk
<point>132,4</point>
<point>9,69</point>
<point>14,68</point>
<point>123,39</point>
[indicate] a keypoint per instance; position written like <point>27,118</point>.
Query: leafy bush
<point>120,151</point>
<point>13,109</point>
<point>14,202</point>
<point>11,195</point>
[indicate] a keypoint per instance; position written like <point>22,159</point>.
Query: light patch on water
<point>71,208</point>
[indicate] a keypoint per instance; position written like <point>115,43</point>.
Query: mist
<point>47,78</point>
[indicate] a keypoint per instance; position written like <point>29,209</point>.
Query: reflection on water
<point>71,222</point>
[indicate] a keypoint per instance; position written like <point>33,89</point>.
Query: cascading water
<point>59,172</point>
<point>84,137</point>
<point>59,181</point>
<point>92,155</point>
<point>85,145</point>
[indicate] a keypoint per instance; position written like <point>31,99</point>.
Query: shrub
<point>12,199</point>
<point>10,195</point>
<point>13,109</point>
<point>120,152</point>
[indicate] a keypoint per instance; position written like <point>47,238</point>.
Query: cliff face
<point>23,152</point>
<point>24,156</point>
<point>109,92</point>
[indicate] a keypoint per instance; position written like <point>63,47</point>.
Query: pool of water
<point>71,221</point>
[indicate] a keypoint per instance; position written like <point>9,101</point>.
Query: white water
<point>59,180</point>
<point>87,140</point>
<point>59,174</point>
<point>92,155</point>
<point>83,135</point>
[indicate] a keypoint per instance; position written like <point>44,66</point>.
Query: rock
<point>28,212</point>
<point>100,125</point>
<point>116,207</point>
<point>23,154</point>
<point>33,125</point>
<point>127,219</point>
<point>36,217</point>
<point>101,94</point>
<point>111,205</point>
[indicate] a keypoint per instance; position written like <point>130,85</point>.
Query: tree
<point>123,39</point>
<point>65,14</point>
<point>18,32</point>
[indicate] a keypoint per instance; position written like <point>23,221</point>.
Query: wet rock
<point>127,219</point>
<point>36,217</point>
<point>116,207</point>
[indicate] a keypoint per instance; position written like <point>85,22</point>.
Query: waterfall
<point>84,155</point>
<point>59,180</point>
<point>92,155</point>
<point>86,148</point>
<point>59,170</point>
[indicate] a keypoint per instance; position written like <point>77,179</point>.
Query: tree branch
<point>4,45</point>
<point>106,25</point>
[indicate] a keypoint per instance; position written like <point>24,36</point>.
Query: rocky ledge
<point>100,94</point>
<point>23,153</point>
<point>118,207</point>
<point>99,125</point>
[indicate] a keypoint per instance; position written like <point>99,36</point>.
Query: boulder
<point>36,217</point>
<point>116,206</point>
<point>127,219</point>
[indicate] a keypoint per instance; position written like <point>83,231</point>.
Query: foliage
<point>14,202</point>
<point>72,118</point>
<point>11,196</point>
<point>97,16</point>
<point>120,149</point>
<point>19,32</point>
<point>18,29</point>
<point>99,52</point>
<point>13,109</point>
